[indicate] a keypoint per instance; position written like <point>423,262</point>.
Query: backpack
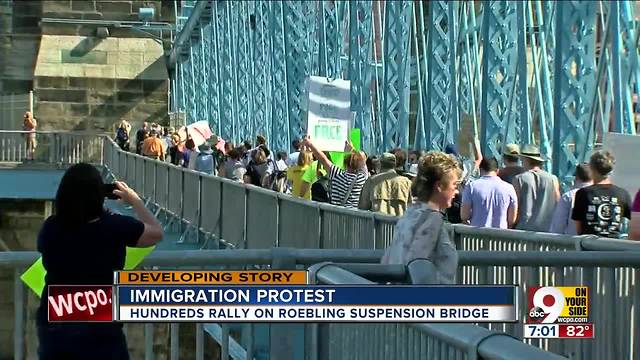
<point>320,190</point>
<point>121,135</point>
<point>205,163</point>
<point>277,181</point>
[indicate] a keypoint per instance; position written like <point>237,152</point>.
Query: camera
<point>108,191</point>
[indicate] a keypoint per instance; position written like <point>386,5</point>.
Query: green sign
<point>34,276</point>
<point>354,137</point>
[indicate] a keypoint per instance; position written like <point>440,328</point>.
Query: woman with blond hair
<point>295,172</point>
<point>122,135</point>
<point>346,185</point>
<point>420,233</point>
<point>29,125</point>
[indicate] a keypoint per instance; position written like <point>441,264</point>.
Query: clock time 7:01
<point>558,331</point>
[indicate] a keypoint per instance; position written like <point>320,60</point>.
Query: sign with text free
<point>330,117</point>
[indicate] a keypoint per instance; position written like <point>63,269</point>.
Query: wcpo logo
<point>562,304</point>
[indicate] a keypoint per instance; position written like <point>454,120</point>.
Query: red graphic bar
<point>80,303</point>
<point>576,331</point>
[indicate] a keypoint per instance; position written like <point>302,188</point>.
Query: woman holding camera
<point>83,244</point>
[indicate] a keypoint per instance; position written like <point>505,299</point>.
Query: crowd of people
<point>519,195</point>
<point>425,192</point>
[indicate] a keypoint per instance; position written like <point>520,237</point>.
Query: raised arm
<point>477,152</point>
<point>516,188</point>
<point>153,231</point>
<point>322,158</point>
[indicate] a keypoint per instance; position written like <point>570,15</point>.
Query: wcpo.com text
<point>80,303</point>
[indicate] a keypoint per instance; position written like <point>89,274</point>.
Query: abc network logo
<point>548,303</point>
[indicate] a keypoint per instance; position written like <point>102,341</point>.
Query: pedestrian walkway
<point>206,211</point>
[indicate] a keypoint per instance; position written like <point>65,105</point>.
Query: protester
<point>562,223</point>
<point>538,192</point>
<point>246,153</point>
<point>258,167</point>
<point>388,192</point>
<point>141,135</point>
<point>167,141</point>
<point>599,209</point>
<point>296,172</point>
<point>414,155</point>
<point>156,127</point>
<point>316,180</point>
<point>190,149</point>
<point>373,165</point>
<point>292,159</point>
<point>83,244</point>
<point>634,226</point>
<point>510,158</point>
<point>420,232</point>
<point>489,201</point>
<point>469,173</point>
<point>175,153</point>
<point>261,140</point>
<point>233,168</point>
<point>346,186</point>
<point>401,161</point>
<point>122,135</point>
<point>204,159</point>
<point>153,146</point>
<point>282,161</point>
<point>29,125</point>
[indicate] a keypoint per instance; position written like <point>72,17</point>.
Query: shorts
<point>31,138</point>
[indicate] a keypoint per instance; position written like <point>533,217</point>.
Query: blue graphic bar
<point>316,295</point>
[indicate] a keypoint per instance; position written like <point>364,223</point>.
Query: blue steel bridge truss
<point>423,73</point>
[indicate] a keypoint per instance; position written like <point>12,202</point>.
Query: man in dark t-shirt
<point>599,209</point>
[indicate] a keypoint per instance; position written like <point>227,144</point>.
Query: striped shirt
<point>340,182</point>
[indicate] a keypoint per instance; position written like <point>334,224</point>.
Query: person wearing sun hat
<point>511,160</point>
<point>387,192</point>
<point>538,192</point>
<point>204,161</point>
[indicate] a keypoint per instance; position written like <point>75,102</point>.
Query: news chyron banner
<point>273,296</point>
<point>558,312</point>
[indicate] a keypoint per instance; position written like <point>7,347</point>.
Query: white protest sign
<point>625,150</point>
<point>330,117</point>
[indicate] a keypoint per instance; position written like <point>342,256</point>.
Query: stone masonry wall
<point>82,82</point>
<point>110,79</point>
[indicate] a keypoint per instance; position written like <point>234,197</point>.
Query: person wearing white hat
<point>204,159</point>
<point>538,192</point>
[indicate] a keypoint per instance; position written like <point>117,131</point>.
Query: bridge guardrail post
<point>423,272</point>
<point>286,341</point>
<point>18,326</point>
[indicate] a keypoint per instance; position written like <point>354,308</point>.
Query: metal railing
<point>53,147</point>
<point>255,218</point>
<point>613,278</point>
<point>410,341</point>
<point>327,341</point>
